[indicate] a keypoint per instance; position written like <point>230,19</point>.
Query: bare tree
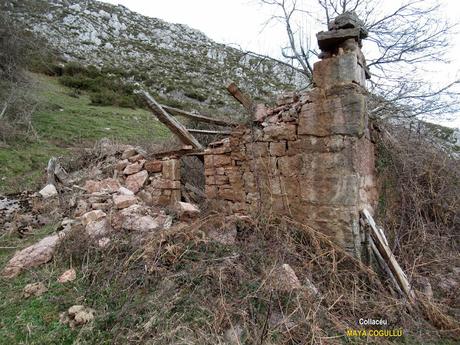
<point>403,40</point>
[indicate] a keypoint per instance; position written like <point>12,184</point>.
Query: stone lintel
<point>329,40</point>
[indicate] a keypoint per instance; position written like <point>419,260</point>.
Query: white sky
<point>241,23</point>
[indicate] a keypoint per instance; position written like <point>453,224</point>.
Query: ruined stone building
<point>311,157</point>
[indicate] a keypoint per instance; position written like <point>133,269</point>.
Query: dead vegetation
<point>182,287</point>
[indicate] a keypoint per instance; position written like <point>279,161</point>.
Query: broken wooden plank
<point>197,117</point>
<point>241,97</point>
<point>384,265</point>
<point>388,256</point>
<point>178,153</point>
<point>208,131</point>
<point>175,126</point>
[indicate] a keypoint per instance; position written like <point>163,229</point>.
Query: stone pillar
<point>345,183</point>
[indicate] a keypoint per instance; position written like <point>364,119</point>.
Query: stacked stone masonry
<point>164,176</point>
<point>155,181</point>
<point>310,157</point>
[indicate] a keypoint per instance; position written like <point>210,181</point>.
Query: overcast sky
<point>241,23</point>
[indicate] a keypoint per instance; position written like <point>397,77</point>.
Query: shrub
<point>106,97</point>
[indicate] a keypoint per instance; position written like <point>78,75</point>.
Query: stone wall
<point>164,176</point>
<point>310,157</point>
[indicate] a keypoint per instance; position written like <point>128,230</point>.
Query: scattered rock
<point>82,208</point>
<point>77,315</point>
<point>92,216</point>
<point>187,211</point>
<point>34,289</point>
<point>125,191</point>
<point>146,197</point>
<point>35,255</point>
<point>128,153</point>
<point>121,165</point>
<point>124,201</point>
<point>133,168</point>
<point>103,242</point>
<point>48,191</point>
<point>98,228</point>
<point>283,278</point>
<point>68,276</point>
<point>136,181</point>
<point>145,223</point>
<point>136,158</point>
<point>109,185</point>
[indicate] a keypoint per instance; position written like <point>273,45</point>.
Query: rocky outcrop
<point>173,59</point>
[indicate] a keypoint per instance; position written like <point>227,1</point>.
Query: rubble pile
<point>133,194</point>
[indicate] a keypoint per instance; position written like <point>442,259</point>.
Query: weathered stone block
<point>249,182</point>
<point>257,149</point>
<point>234,174</point>
<point>217,160</point>
<point>136,181</point>
<point>171,169</point>
<point>280,131</point>
<point>154,166</point>
<point>133,168</point>
<point>121,165</point>
<point>338,70</point>
<point>290,165</point>
<point>226,194</point>
<point>211,191</point>
<point>310,144</point>
<point>109,185</point>
<point>326,163</point>
<point>328,40</point>
<point>341,113</point>
<point>278,148</point>
<point>290,186</point>
<point>124,201</point>
<point>136,158</point>
<point>330,190</point>
<point>162,183</point>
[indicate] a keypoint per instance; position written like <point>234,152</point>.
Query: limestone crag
<point>173,60</point>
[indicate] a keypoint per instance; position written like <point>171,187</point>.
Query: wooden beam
<point>179,153</point>
<point>388,256</point>
<point>197,117</point>
<point>175,126</point>
<point>240,97</point>
<point>208,131</point>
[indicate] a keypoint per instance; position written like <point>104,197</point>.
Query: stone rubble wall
<point>155,181</point>
<point>310,157</point>
<point>164,176</point>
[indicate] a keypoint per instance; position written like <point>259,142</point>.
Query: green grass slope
<point>63,122</point>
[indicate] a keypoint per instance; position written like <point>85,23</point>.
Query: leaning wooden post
<point>386,254</point>
<point>245,101</point>
<point>175,126</point>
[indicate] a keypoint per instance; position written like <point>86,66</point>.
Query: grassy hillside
<point>63,122</point>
